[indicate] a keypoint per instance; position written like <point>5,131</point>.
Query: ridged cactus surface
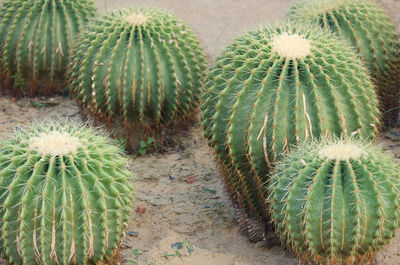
<point>64,196</point>
<point>369,29</point>
<point>336,202</point>
<point>36,41</point>
<point>142,65</point>
<point>276,87</point>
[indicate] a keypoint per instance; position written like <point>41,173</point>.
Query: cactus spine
<point>370,30</point>
<point>143,65</point>
<point>36,40</point>
<point>276,87</point>
<point>336,202</point>
<point>64,196</point>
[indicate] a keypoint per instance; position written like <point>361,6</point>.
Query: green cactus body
<point>370,30</point>
<point>336,202</point>
<point>142,65</point>
<point>65,196</point>
<point>276,87</point>
<point>36,41</point>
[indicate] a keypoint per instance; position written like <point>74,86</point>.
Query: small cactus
<point>64,196</point>
<point>36,40</point>
<point>336,202</point>
<point>371,31</point>
<point>276,87</point>
<point>143,66</point>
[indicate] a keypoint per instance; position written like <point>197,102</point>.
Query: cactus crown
<point>64,195</point>
<point>336,202</point>
<point>341,151</point>
<point>36,41</point>
<point>265,94</point>
<point>369,29</point>
<point>291,46</point>
<point>55,143</point>
<point>136,19</point>
<point>143,65</point>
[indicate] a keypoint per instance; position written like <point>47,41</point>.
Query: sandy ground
<point>188,216</point>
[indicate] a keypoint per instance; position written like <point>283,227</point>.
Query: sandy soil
<point>188,216</point>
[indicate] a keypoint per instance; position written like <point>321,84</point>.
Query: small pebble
<point>177,245</point>
<point>141,209</point>
<point>191,179</point>
<point>133,233</point>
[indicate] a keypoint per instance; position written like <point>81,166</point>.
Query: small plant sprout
<point>183,248</point>
<point>146,145</point>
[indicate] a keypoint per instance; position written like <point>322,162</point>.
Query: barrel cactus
<point>370,30</point>
<point>64,195</point>
<point>276,87</point>
<point>336,202</point>
<point>36,40</point>
<point>141,66</point>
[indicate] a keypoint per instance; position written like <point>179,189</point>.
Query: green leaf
<point>142,152</point>
<point>143,144</point>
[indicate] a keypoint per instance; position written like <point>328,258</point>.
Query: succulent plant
<point>370,30</point>
<point>336,202</point>
<point>142,66</point>
<point>64,195</point>
<point>36,40</point>
<point>276,87</point>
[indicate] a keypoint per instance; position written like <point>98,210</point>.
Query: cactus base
<point>132,134</point>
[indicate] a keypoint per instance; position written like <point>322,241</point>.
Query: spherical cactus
<point>276,87</point>
<point>64,196</point>
<point>36,40</point>
<point>142,65</point>
<point>336,202</point>
<point>370,30</point>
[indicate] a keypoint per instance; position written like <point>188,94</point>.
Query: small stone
<point>191,179</point>
<point>141,209</point>
<point>133,233</point>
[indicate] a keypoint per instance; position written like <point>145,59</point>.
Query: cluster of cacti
<point>370,30</point>
<point>336,202</point>
<point>142,66</point>
<point>36,41</point>
<point>276,87</point>
<point>64,190</point>
<point>64,196</point>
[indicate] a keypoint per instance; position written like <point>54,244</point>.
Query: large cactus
<point>64,196</point>
<point>36,40</point>
<point>336,202</point>
<point>370,30</point>
<point>143,66</point>
<point>276,87</point>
